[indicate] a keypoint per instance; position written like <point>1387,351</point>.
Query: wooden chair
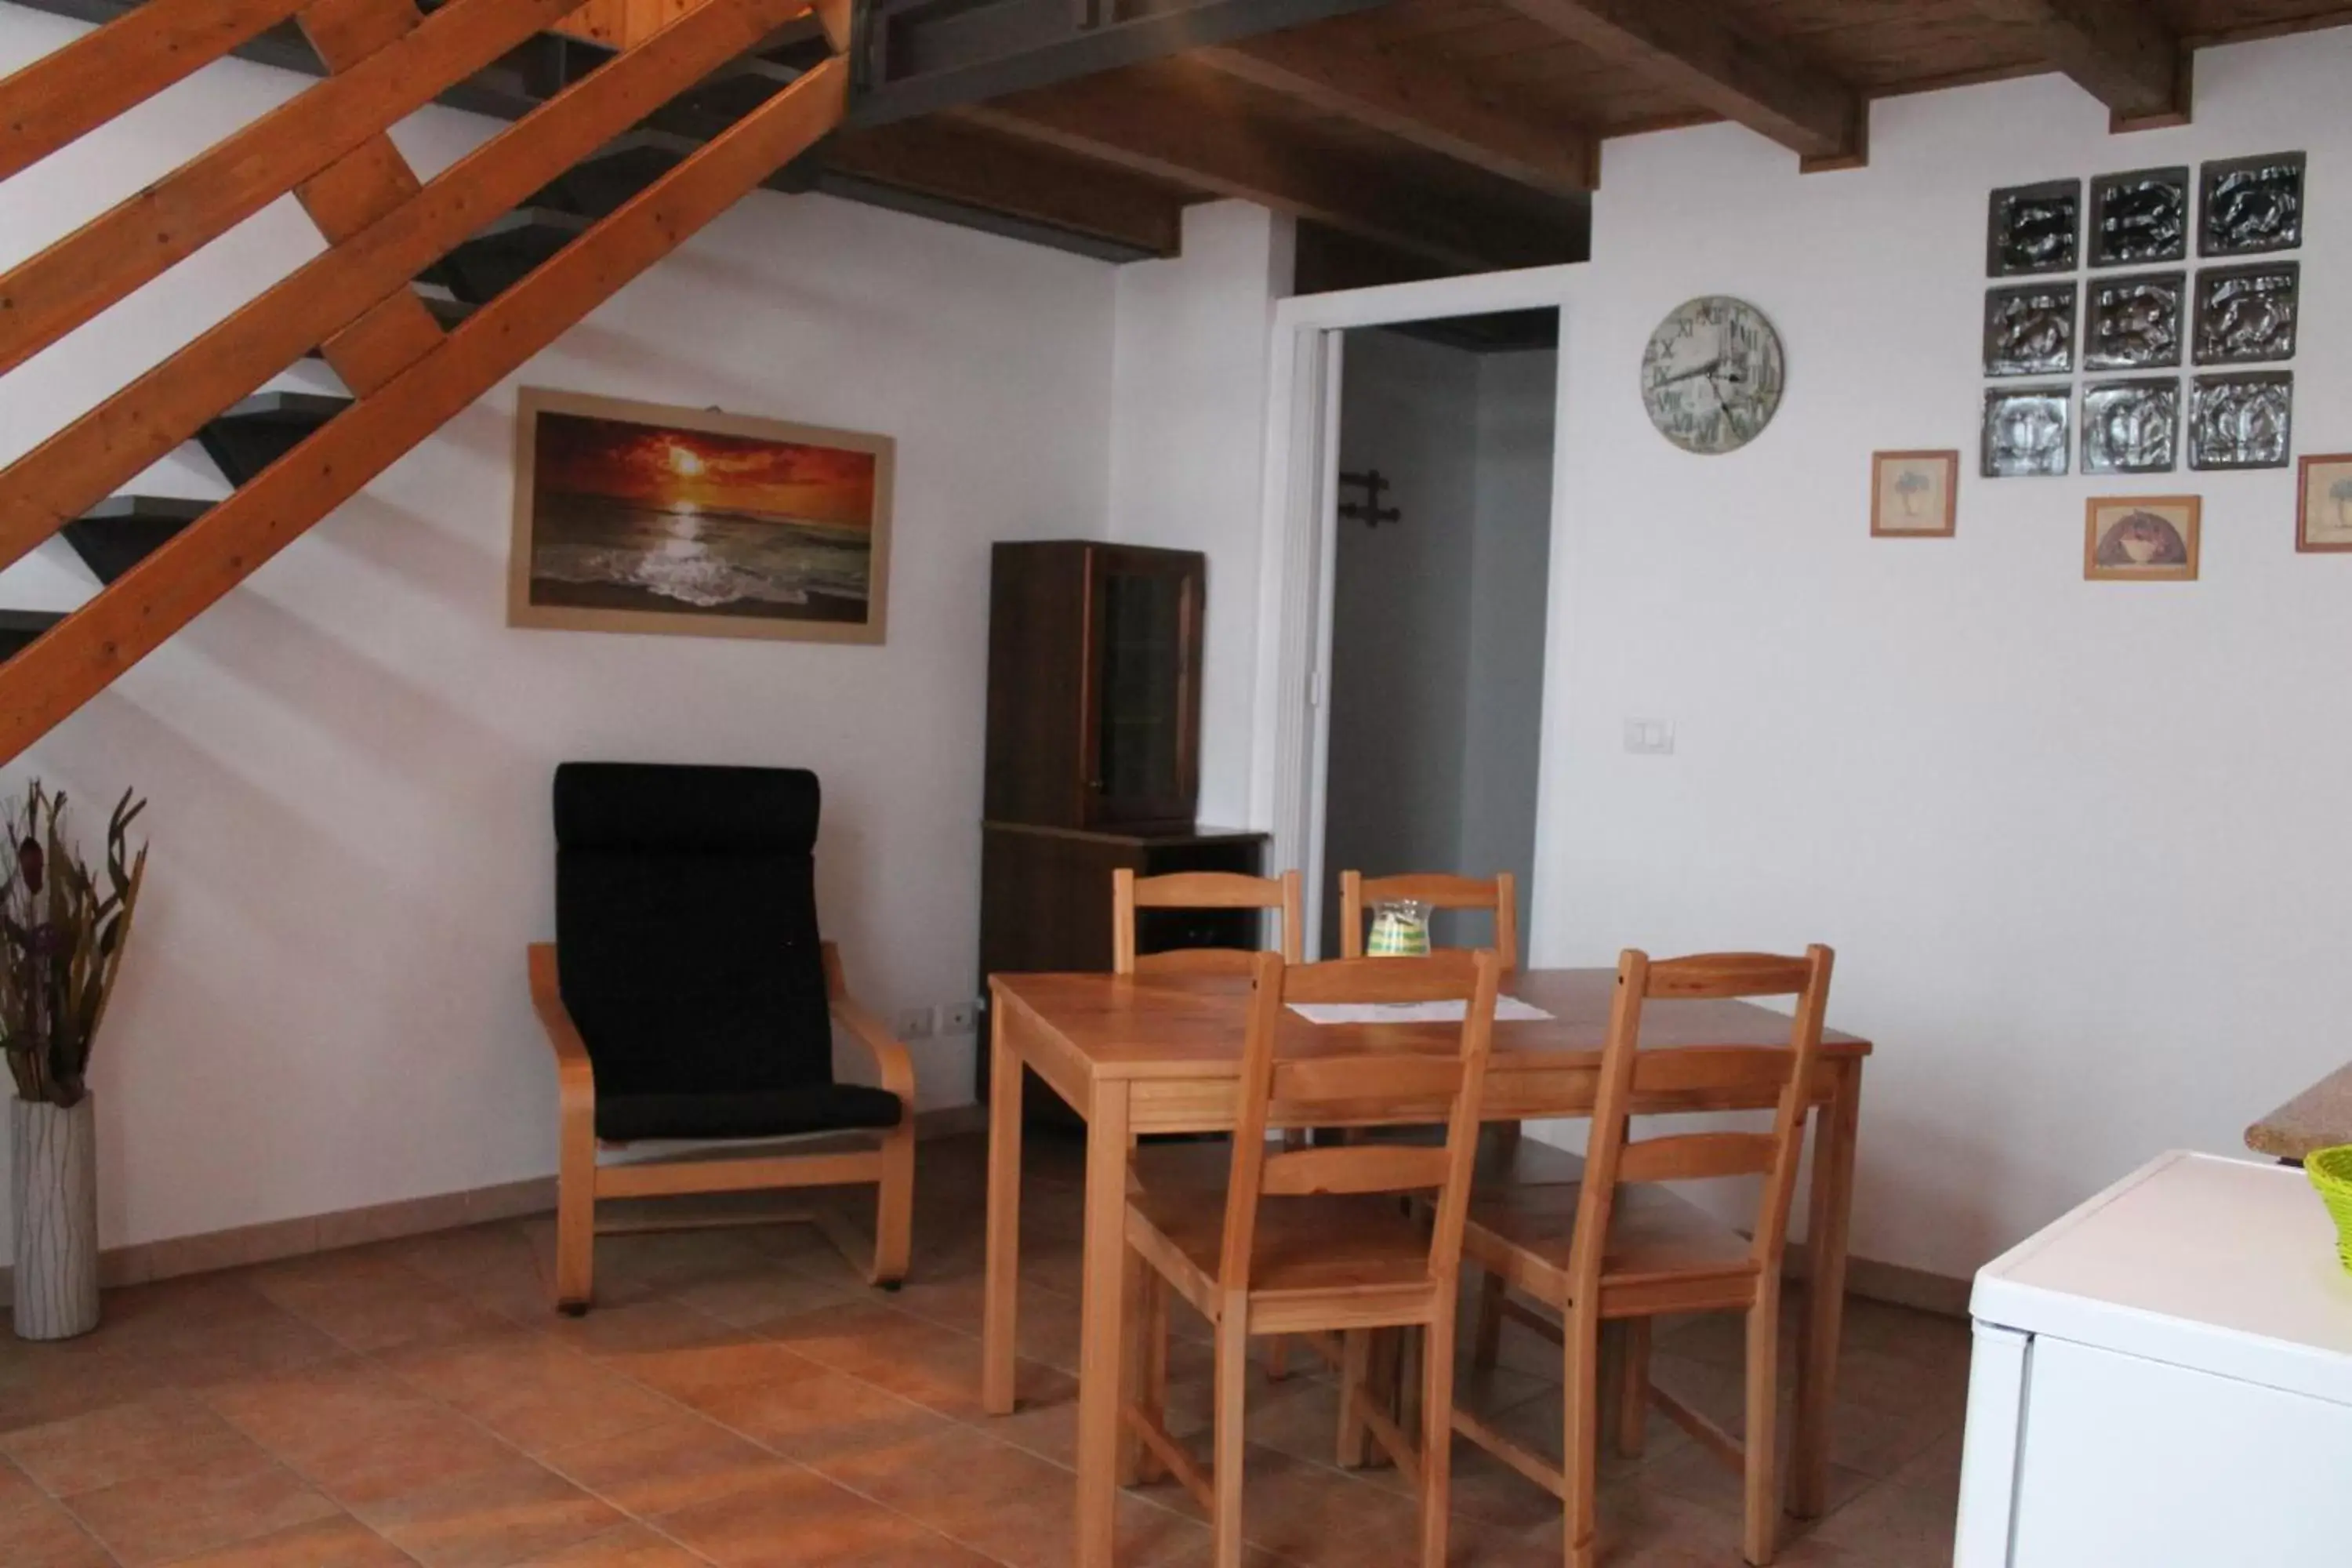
<point>1617,1250</point>
<point>688,996</point>
<point>1499,895</point>
<point>1200,891</point>
<point>1313,1240</point>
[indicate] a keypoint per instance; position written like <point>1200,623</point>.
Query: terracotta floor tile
<point>173,1431</point>
<point>631,1546</point>
<point>337,1542</point>
<point>822,1417</point>
<point>361,1433</point>
<point>619,1336</point>
<point>800,1519</point>
<point>368,1301</point>
<point>918,1360</point>
<point>164,1517</point>
<point>493,1518</point>
<point>530,1391</point>
<point>44,1535</point>
<point>655,1470</point>
<point>723,1366</point>
<point>765,1291</point>
<point>16,1489</point>
<point>1892,1527</point>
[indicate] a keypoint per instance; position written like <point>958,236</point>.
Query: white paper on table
<point>1508,1010</point>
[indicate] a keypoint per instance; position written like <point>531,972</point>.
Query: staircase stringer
<point>78,659</point>
<point>340,290</point>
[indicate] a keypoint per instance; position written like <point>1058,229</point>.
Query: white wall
<point>1188,444</point>
<point>348,758</point>
<point>2076,842</point>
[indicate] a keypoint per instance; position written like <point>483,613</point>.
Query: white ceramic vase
<point>53,1171</point>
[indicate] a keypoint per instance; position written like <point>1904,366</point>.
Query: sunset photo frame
<point>639,517</point>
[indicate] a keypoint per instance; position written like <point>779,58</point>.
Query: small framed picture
<point>1913,495</point>
<point>2323,516</point>
<point>2140,539</point>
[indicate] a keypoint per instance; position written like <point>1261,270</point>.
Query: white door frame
<point>1290,725</point>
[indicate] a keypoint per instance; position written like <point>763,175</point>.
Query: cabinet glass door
<point>1146,666</point>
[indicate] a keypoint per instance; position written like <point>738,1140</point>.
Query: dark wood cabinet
<point>1093,728</point>
<point>1094,686</point>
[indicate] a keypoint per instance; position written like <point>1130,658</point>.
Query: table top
<point>1190,1026</point>
<point>2318,1117</point>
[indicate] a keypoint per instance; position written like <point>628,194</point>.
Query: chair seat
<point>1655,1236</point>
<point>1304,1246</point>
<point>777,1113</point>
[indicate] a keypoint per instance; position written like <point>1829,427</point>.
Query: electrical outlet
<point>914,1023</point>
<point>1649,737</point>
<point>957,1018</point>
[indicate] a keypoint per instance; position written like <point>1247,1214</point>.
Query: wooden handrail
<point>79,465</point>
<point>57,290</point>
<point>70,93</point>
<point>75,660</point>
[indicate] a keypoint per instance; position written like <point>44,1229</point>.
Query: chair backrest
<point>1629,1073</point>
<point>1357,1081</point>
<point>1199,890</point>
<point>1499,895</point>
<point>686,932</point>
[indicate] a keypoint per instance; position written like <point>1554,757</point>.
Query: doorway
<point>1439,520</point>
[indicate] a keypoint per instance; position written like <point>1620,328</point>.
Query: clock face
<point>1711,376</point>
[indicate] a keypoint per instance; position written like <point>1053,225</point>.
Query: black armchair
<point>688,995</point>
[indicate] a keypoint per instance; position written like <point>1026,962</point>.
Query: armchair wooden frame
<point>1499,895</point>
<point>1348,1268</point>
<point>1200,891</point>
<point>1600,1254</point>
<point>832,1159</point>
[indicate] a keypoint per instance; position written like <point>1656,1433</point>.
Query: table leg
<point>1835,1127</point>
<point>1000,1304</point>
<point>1100,1351</point>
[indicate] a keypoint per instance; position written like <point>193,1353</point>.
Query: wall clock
<point>1711,376</point>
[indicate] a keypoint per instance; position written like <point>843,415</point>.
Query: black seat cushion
<point>687,953</point>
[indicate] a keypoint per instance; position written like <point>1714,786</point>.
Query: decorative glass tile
<point>2251,204</point>
<point>2133,324</point>
<point>2033,229</point>
<point>2241,421</point>
<point>2030,331</point>
<point>2247,314</point>
<point>2139,218</point>
<point>2131,426</point>
<point>2025,431</point>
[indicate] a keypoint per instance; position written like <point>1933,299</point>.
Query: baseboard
<point>242,1246</point>
<point>1896,1284</point>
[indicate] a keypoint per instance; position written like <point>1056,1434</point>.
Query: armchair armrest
<point>890,1057</point>
<point>574,1074</point>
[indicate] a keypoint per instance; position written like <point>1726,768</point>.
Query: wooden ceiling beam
<point>2119,51</point>
<point>1425,103</point>
<point>1708,53</point>
<point>1148,123</point>
<point>976,168</point>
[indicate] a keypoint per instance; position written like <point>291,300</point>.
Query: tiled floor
<point>738,1399</point>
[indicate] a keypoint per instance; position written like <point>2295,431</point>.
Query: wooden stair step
<point>19,628</point>
<point>498,256</point>
<point>616,171</point>
<point>122,531</point>
<point>263,428</point>
<point>723,97</point>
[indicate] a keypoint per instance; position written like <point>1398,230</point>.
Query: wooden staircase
<point>428,294</point>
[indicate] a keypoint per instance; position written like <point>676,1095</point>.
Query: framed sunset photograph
<point>2141,539</point>
<point>632,516</point>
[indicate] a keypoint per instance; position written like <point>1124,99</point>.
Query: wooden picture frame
<point>2325,529</point>
<point>2141,539</point>
<point>637,517</point>
<point>1915,494</point>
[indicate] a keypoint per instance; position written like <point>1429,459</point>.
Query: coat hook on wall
<point>1369,511</point>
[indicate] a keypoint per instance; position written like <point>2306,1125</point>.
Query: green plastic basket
<point>2330,1171</point>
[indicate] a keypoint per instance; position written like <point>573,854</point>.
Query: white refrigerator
<point>2162,1378</point>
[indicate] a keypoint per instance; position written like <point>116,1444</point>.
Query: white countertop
<point>2222,1264</point>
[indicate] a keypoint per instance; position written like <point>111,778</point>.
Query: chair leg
<point>1761,1528</point>
<point>1633,1387</point>
<point>1436,1438</point>
<point>1355,1376</point>
<point>1146,1319</point>
<point>894,1207</point>
<point>1232,1383</point>
<point>575,1209</point>
<point>1579,1436</point>
<point>1278,1358</point>
<point>1487,1347</point>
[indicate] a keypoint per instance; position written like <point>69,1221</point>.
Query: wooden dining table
<point>1135,1054</point>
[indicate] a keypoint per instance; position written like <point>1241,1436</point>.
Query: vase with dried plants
<point>63,928</point>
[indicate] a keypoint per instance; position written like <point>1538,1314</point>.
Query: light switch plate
<point>1650,737</point>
